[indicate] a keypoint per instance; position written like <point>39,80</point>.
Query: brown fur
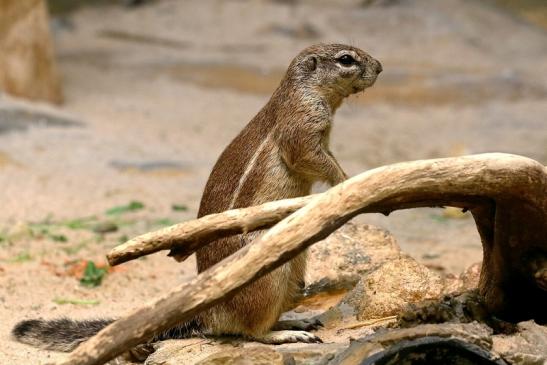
<point>279,154</point>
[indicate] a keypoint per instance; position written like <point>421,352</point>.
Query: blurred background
<point>112,114</point>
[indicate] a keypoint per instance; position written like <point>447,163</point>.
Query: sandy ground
<point>154,93</point>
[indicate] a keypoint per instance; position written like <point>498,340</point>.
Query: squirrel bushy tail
<point>64,334</point>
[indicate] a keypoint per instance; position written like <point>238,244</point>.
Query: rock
<point>527,346</point>
<point>27,65</point>
<point>251,356</point>
<point>340,260</point>
<point>381,280</point>
<point>188,351</point>
<point>468,280</point>
<point>470,277</point>
<point>236,351</point>
<point>390,288</point>
<point>393,285</point>
<point>312,354</point>
<point>457,308</point>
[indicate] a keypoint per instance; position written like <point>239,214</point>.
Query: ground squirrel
<point>278,155</point>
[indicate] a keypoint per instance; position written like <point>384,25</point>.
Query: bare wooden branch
<point>190,235</point>
<point>507,195</point>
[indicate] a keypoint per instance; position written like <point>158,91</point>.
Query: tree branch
<point>512,226</point>
<point>187,237</point>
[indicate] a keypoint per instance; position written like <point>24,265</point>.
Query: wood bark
<point>507,195</point>
<point>474,334</point>
<point>189,236</point>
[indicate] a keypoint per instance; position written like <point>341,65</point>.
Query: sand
<point>154,93</point>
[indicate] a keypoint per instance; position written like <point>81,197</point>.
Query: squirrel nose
<point>377,67</point>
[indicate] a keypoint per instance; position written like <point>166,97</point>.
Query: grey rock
<point>312,354</point>
<point>527,346</point>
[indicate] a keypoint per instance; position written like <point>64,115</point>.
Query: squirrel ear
<point>311,63</point>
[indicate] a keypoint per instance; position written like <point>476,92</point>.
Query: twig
<point>189,236</point>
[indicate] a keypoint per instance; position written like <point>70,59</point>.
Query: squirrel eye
<point>346,60</point>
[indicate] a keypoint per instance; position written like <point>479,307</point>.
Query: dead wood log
<point>472,339</point>
<point>191,235</point>
<point>507,195</point>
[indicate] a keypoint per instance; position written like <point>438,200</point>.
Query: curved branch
<point>188,236</point>
<point>512,226</point>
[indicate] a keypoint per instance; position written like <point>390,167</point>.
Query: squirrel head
<point>334,70</point>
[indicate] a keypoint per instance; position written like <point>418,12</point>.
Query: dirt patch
<point>161,89</point>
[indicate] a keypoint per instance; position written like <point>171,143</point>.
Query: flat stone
<point>261,355</point>
<point>528,346</point>
<point>187,351</point>
<point>236,351</point>
<point>312,353</point>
